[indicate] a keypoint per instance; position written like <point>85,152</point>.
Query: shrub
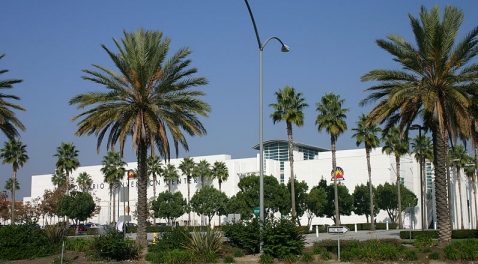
<point>326,255</point>
<point>174,238</point>
<point>54,234</point>
<point>238,253</point>
<point>113,246</point>
<point>266,259</point>
<point>78,244</point>
<point>346,256</point>
<point>25,242</point>
<point>205,243</point>
<point>209,258</point>
<point>229,259</point>
<point>434,255</point>
<point>411,255</point>
<point>317,250</point>
<point>376,250</point>
<point>282,238</point>
<point>423,240</point>
<point>307,257</point>
<point>244,235</point>
<point>451,252</point>
<point>172,257</point>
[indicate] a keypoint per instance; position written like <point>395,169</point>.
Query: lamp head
<point>285,48</point>
<point>415,127</point>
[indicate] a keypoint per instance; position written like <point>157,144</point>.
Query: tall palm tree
<point>367,134</point>
<point>154,168</point>
<point>113,169</point>
<point>422,149</point>
<point>202,170</point>
<point>220,172</point>
<point>15,153</point>
<point>170,174</point>
<point>470,172</point>
<point>435,83</point>
<point>9,123</point>
<point>186,166</point>
<point>288,108</point>
<point>84,180</point>
<point>458,159</point>
<point>395,143</point>
<point>67,161</point>
<point>58,178</point>
<point>332,117</point>
<point>150,97</point>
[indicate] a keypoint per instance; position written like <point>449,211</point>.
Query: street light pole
<point>420,154</point>
<point>284,48</point>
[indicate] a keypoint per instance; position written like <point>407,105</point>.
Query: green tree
<point>362,201</point>
<point>170,174</point>
<point>458,159</point>
<point>202,170</point>
<point>169,206</point>
<point>67,161</point>
<point>186,166</point>
<point>276,197</point>
<point>288,108</point>
<point>367,133</point>
<point>76,205</point>
<point>220,172</point>
<point>84,180</point>
<point>113,169</point>
<point>209,201</point>
<point>332,117</point>
<point>394,143</point>
<point>315,203</point>
<point>10,123</point>
<point>386,197</point>
<point>346,201</point>
<point>301,189</point>
<point>436,83</point>
<point>15,153</point>
<point>155,168</point>
<point>150,97</point>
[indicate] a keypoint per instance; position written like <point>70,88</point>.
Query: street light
<point>284,48</point>
<point>419,128</point>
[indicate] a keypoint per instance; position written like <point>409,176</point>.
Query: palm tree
<point>149,98</point>
<point>458,159</point>
<point>186,166</point>
<point>170,174</point>
<point>367,134</point>
<point>8,120</point>
<point>84,180</point>
<point>114,170</point>
<point>9,186</point>
<point>15,153</point>
<point>395,144</point>
<point>220,172</point>
<point>67,162</point>
<point>58,178</point>
<point>154,168</point>
<point>202,170</point>
<point>332,117</point>
<point>289,108</point>
<point>435,83</point>
<point>470,171</point>
<point>422,149</point>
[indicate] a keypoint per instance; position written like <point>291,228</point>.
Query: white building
<point>310,165</point>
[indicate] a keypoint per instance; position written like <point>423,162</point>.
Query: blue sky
<point>48,43</point>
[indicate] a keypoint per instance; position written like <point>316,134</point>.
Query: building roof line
<point>319,149</point>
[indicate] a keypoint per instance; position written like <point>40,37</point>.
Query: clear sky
<point>48,43</point>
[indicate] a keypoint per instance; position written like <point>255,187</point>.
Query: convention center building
<point>311,164</point>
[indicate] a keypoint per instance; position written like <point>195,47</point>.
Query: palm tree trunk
<point>142,194</point>
<point>369,169</point>
<point>111,202</point>
<point>189,198</point>
<point>458,176</point>
<point>154,194</point>
<point>441,195</point>
<point>474,180</point>
<point>336,191</point>
<point>291,162</point>
<point>14,178</point>
<point>399,196</point>
<point>114,204</point>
